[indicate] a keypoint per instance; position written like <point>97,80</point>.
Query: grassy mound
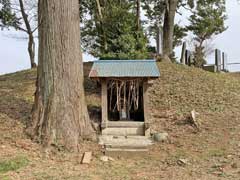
<point>212,153</point>
<point>182,89</point>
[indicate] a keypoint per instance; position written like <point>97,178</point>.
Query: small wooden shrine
<point>124,86</point>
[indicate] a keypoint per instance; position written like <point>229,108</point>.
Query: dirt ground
<point>211,153</point>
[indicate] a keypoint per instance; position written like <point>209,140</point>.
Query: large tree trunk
<point>60,115</point>
<point>168,27</point>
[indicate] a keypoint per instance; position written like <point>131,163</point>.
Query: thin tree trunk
<point>99,9</point>
<point>102,26</point>
<point>159,42</point>
<point>138,15</point>
<point>60,114</point>
<point>31,50</point>
<point>31,45</point>
<point>168,27</point>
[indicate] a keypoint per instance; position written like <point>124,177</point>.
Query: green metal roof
<point>124,68</point>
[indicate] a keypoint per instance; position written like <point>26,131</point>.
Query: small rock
<point>104,158</point>
<point>234,165</point>
<point>160,137</point>
<point>182,162</point>
<point>87,156</point>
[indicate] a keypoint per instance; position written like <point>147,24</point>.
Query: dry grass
<point>212,153</point>
<point>182,89</point>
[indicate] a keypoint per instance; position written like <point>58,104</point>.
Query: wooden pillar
<point>146,108</point>
<point>104,103</point>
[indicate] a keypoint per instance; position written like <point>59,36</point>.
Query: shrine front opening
<point>125,99</point>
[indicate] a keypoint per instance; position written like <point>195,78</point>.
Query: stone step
<point>123,131</point>
<point>125,143</point>
<point>129,124</point>
<point>124,128</point>
<point>126,150</point>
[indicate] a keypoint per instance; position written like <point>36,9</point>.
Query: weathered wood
<point>146,108</point>
<point>87,157</point>
<point>104,103</point>
<point>218,59</point>
<point>183,54</point>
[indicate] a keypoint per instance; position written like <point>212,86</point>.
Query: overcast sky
<point>14,56</point>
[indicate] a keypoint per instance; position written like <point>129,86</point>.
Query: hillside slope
<point>180,89</point>
<point>212,153</point>
<point>184,88</point>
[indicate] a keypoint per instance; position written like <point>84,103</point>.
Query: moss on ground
<point>13,164</point>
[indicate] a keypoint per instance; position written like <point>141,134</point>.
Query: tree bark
<point>31,44</point>
<point>138,15</point>
<point>31,50</point>
<point>60,116</point>
<point>102,26</point>
<point>159,41</point>
<point>168,27</point>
